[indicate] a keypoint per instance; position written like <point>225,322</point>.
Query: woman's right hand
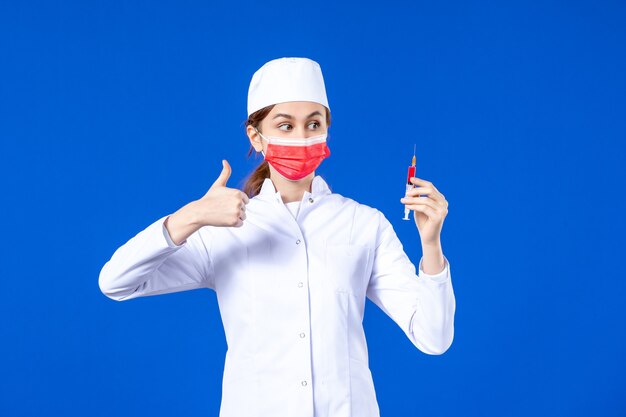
<point>220,206</point>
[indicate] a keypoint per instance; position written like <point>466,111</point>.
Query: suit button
<point>302,335</point>
<point>298,242</point>
<point>310,200</point>
<point>303,383</point>
<point>300,284</point>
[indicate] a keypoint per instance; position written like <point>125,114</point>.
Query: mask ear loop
<point>257,131</point>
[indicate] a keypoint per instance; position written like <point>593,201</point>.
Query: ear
<point>255,139</point>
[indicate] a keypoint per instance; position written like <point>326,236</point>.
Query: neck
<point>291,191</point>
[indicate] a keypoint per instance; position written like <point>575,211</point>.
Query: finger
<point>246,200</point>
<point>430,191</point>
<point>224,175</point>
<point>439,210</point>
<point>419,200</point>
<point>419,191</point>
<point>430,212</point>
<point>423,183</point>
<point>419,181</point>
<point>439,193</point>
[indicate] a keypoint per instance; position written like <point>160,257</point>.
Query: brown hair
<point>253,183</point>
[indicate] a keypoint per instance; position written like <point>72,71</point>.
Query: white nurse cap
<point>286,79</point>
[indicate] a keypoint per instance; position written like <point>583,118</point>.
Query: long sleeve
<point>150,264</point>
<point>422,305</point>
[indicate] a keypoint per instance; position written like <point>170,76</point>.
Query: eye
<point>285,127</point>
<point>314,125</point>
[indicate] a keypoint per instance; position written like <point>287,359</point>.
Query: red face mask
<point>295,158</point>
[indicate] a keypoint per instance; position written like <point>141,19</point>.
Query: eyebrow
<point>287,116</point>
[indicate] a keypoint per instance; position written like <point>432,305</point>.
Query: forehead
<point>297,109</point>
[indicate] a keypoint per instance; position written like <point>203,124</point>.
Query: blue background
<point>115,113</point>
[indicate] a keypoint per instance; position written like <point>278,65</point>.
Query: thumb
<point>224,175</point>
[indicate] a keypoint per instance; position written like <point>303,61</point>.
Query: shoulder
<point>360,210</point>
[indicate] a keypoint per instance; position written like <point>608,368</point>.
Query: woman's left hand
<point>429,212</point>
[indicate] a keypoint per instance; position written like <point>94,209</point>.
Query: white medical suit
<point>291,290</point>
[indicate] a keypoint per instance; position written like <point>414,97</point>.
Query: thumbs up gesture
<point>220,206</point>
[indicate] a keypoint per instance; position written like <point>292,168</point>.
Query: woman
<point>292,263</point>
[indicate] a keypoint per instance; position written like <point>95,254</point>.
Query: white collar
<point>319,187</point>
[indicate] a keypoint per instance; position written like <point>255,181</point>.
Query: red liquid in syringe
<point>410,175</point>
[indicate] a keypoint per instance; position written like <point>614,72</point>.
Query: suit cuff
<point>167,236</point>
<point>442,276</point>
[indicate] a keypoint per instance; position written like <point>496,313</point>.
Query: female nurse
<point>292,263</point>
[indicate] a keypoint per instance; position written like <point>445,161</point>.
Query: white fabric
<point>298,142</point>
<point>286,79</point>
<point>291,295</point>
<point>293,208</point>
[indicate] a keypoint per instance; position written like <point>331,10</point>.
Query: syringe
<point>409,184</point>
